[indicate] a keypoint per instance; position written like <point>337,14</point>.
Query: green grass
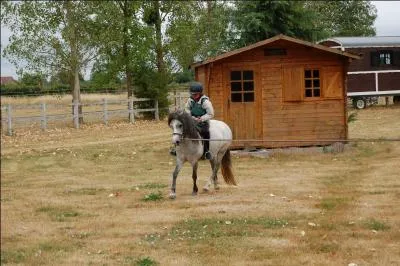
<point>59,214</point>
<point>330,204</point>
<point>145,262</point>
<point>14,256</point>
<point>84,191</point>
<point>196,229</point>
<point>376,225</point>
<point>328,248</point>
<point>152,186</point>
<point>377,192</point>
<point>153,196</point>
<point>57,246</point>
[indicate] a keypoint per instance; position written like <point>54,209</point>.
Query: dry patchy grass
<point>97,196</point>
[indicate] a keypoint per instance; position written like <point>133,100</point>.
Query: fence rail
<point>9,116</point>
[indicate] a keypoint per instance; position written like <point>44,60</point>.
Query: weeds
<point>146,262</point>
<point>376,225</point>
<point>59,214</point>
<point>229,227</point>
<point>18,256</point>
<point>352,117</point>
<point>332,203</point>
<point>85,191</point>
<point>152,186</point>
<point>153,196</point>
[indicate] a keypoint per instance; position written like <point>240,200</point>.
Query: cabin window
<point>242,86</point>
<point>312,83</point>
<point>274,51</point>
<point>382,58</point>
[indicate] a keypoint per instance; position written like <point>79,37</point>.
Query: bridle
<point>176,133</point>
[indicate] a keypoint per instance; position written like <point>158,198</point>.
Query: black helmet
<point>196,87</point>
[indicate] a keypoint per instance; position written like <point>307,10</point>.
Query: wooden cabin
<point>279,92</point>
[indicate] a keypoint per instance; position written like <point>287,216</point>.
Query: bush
<point>153,85</point>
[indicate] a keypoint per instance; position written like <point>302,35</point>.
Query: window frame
<point>378,61</point>
<point>312,79</point>
<point>242,82</point>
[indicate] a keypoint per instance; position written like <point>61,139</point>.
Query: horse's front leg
<point>194,177</point>
<point>178,167</point>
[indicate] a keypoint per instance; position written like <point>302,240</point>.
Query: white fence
<point>44,113</point>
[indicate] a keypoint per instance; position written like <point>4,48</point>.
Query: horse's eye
<point>180,126</point>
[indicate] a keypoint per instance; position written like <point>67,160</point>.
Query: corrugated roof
<point>376,41</point>
<point>271,40</point>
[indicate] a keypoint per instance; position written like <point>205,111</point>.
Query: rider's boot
<point>207,153</point>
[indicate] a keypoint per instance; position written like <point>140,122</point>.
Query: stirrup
<point>208,155</point>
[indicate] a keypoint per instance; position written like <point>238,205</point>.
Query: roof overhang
<point>271,40</point>
<point>364,42</point>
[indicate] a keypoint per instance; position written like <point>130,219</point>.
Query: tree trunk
<point>76,96</point>
<point>128,71</point>
<point>159,48</point>
<point>125,50</point>
<point>75,66</point>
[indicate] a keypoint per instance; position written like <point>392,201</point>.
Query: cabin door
<point>243,94</point>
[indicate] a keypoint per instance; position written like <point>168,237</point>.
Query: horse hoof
<point>172,196</point>
<point>194,193</point>
<point>217,188</point>
<point>205,189</point>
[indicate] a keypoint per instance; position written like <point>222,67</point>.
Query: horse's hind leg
<point>214,176</point>
<point>208,184</point>
<point>215,165</point>
<point>194,177</point>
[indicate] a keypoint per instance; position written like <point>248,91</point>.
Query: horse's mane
<point>189,125</point>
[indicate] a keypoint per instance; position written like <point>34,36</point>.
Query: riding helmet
<point>196,87</point>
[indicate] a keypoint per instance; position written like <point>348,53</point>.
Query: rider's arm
<point>207,105</point>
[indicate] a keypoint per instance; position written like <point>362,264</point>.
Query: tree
<point>104,79</point>
<point>124,38</point>
<point>154,77</point>
<point>50,35</point>
<point>254,21</point>
<point>344,18</point>
<point>197,31</point>
<point>29,79</point>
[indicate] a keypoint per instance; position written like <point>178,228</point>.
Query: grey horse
<point>190,149</point>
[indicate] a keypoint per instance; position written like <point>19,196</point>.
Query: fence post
<point>175,98</point>
<point>130,110</point>
<point>105,111</point>
<point>44,118</point>
<point>179,100</point>
<point>76,114</point>
<point>156,112</point>
<point>9,121</point>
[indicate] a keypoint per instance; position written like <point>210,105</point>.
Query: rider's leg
<point>206,136</point>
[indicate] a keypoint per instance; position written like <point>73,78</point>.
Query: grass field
<point>98,196</point>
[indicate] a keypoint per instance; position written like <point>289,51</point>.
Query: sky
<point>387,24</point>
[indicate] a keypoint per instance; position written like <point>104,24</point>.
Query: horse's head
<point>181,124</point>
<point>177,131</point>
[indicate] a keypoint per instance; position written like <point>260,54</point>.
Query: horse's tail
<point>226,169</point>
